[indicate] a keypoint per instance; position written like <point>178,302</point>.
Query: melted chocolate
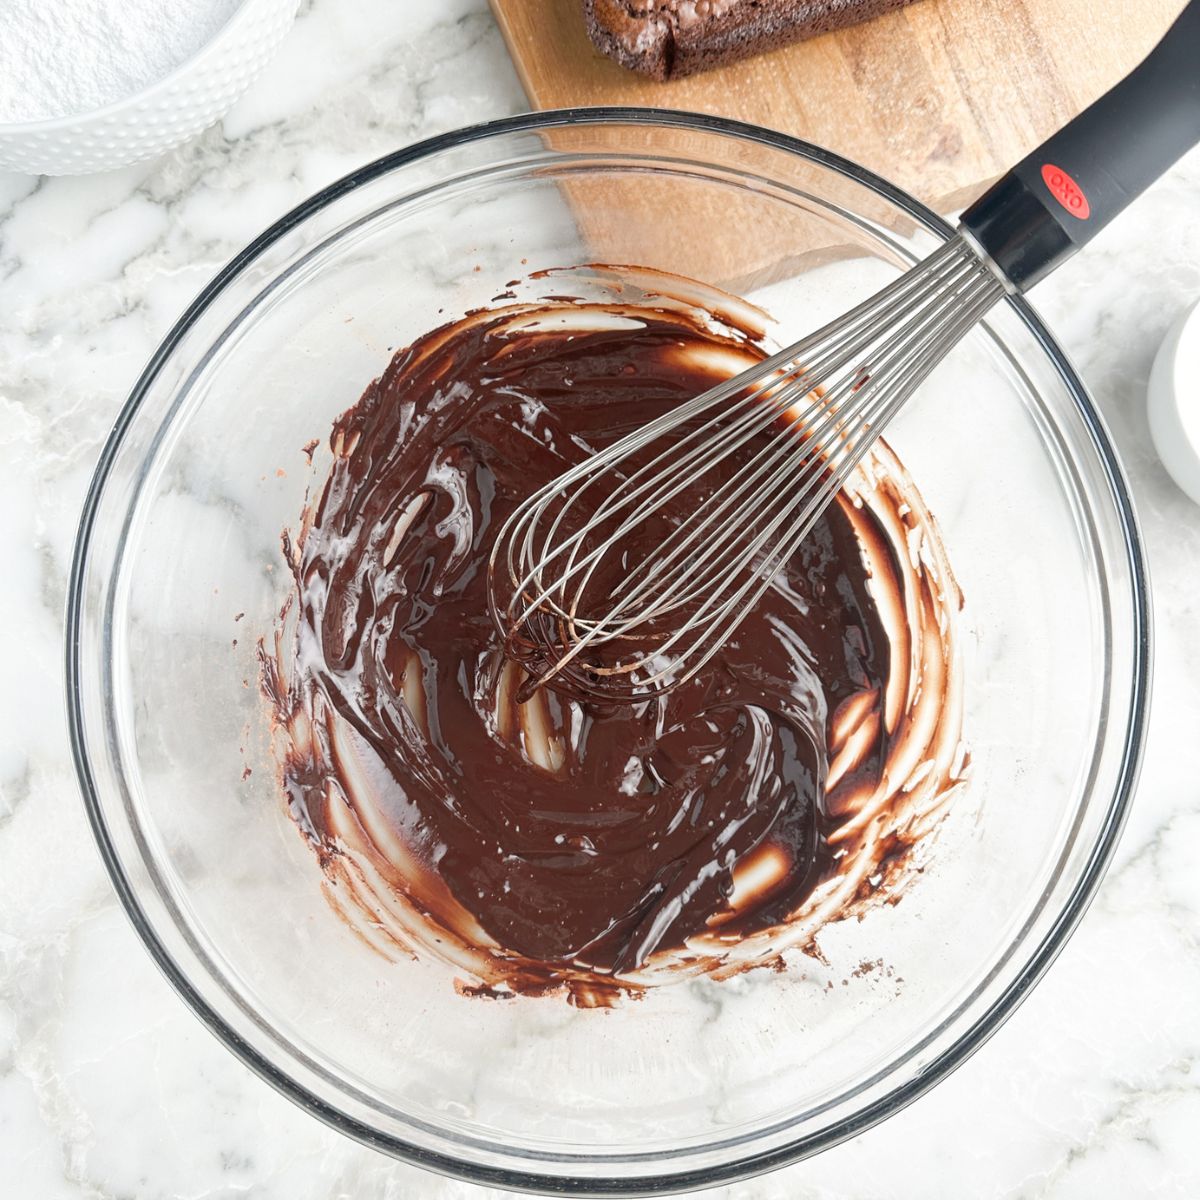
<point>559,840</point>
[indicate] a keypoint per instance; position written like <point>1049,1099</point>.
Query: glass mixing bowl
<point>178,571</point>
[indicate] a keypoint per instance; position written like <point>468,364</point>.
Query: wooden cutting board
<point>940,97</point>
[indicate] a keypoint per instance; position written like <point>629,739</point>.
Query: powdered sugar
<point>63,57</point>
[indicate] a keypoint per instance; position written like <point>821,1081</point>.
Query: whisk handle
<point>1060,196</point>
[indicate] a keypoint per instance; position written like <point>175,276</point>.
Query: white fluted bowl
<point>165,114</point>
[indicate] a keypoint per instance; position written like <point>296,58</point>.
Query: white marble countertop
<point>109,1087</point>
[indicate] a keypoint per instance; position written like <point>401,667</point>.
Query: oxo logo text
<point>1066,191</point>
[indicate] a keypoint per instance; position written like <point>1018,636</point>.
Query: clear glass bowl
<point>178,571</point>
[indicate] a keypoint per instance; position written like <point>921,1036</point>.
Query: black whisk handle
<point>1060,196</point>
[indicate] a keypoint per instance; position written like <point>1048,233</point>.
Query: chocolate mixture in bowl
<point>562,844</point>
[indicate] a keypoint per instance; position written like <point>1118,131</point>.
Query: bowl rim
<point>745,1165</point>
<point>218,42</point>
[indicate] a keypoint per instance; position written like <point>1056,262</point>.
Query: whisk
<point>772,447</point>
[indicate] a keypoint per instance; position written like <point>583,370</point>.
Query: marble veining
<point>109,1088</point>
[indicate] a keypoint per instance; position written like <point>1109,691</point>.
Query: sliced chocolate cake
<point>667,39</point>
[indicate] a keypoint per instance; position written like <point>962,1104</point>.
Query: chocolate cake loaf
<point>667,39</point>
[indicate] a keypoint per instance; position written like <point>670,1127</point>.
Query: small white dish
<point>194,95</point>
<point>1173,402</point>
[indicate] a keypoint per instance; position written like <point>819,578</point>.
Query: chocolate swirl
<point>560,844</point>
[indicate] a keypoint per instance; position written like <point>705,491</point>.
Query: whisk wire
<point>804,380</point>
<point>745,596</point>
<point>687,534</point>
<point>875,307</point>
<point>821,402</point>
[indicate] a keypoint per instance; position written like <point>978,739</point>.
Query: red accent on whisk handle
<point>1059,197</point>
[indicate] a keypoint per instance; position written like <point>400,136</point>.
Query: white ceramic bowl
<point>1174,402</point>
<point>162,116</point>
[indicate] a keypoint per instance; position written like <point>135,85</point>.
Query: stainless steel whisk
<point>822,402</point>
